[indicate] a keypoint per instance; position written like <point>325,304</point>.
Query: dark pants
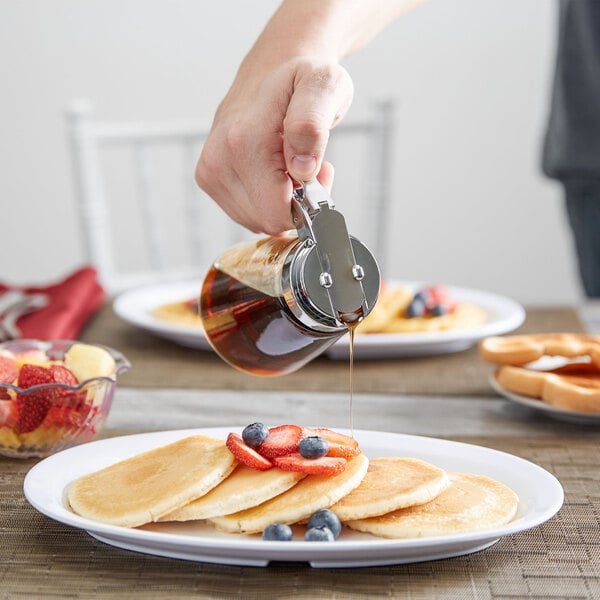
<point>583,208</point>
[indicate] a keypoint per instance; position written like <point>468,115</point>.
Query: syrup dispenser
<point>270,306</point>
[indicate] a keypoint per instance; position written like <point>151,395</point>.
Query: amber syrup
<point>351,331</point>
<point>351,320</point>
<point>253,331</point>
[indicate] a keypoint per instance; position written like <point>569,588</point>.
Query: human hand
<point>268,133</point>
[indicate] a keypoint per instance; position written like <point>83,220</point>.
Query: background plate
<point>540,497</point>
<point>136,306</point>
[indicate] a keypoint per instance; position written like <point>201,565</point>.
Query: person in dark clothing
<point>571,152</point>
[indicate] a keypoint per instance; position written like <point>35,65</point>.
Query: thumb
<point>321,97</point>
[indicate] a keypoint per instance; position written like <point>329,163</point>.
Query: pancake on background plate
<point>184,312</point>
<point>394,312</point>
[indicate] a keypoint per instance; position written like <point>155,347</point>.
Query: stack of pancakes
<point>198,478</point>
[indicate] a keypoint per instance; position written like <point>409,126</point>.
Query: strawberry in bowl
<point>54,395</point>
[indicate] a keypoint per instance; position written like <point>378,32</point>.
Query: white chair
<point>144,220</point>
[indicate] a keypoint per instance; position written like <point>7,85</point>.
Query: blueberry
<point>255,434</point>
<point>277,532</point>
<point>438,310</point>
<point>313,446</point>
<point>421,295</point>
<point>326,518</point>
<point>319,534</point>
<point>416,308</point>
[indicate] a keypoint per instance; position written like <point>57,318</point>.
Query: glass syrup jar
<point>270,306</point>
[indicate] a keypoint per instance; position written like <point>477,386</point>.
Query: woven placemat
<point>161,363</point>
<point>40,558</point>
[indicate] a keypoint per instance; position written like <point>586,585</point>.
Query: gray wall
<point>471,79</point>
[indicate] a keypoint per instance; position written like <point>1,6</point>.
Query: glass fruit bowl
<point>54,394</point>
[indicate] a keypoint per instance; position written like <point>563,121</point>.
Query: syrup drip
<point>351,321</point>
<point>351,331</point>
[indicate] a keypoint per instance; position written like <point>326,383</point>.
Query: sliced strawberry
<point>326,465</point>
<point>32,411</point>
<point>339,444</point>
<point>61,374</point>
<point>438,293</point>
<point>281,440</point>
<point>9,369</point>
<point>31,375</point>
<point>34,405</point>
<point>61,415</point>
<point>245,454</point>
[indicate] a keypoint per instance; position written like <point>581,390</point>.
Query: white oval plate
<point>136,306</point>
<point>550,410</point>
<point>540,497</point>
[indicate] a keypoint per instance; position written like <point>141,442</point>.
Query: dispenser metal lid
<point>336,275</point>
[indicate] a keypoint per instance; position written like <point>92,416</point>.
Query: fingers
<point>250,191</point>
<point>322,95</point>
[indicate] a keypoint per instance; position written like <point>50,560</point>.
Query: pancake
<point>299,503</point>
<point>389,315</point>
<point>244,488</point>
<point>178,313</point>
<point>147,486</point>
<point>470,503</point>
<point>392,483</point>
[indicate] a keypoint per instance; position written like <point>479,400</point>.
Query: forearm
<point>272,128</point>
<point>326,29</point>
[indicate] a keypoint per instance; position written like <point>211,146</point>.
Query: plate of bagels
<point>555,373</point>
<point>206,495</point>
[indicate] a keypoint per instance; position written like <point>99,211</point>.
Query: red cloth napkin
<point>72,302</point>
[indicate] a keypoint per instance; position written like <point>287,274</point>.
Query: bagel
<point>519,350</point>
<point>572,387</point>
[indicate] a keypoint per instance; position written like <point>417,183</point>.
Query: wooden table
<point>40,558</point>
<point>159,363</point>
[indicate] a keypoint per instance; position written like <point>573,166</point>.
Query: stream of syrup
<point>351,331</point>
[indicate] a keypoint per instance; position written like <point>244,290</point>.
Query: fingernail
<point>304,165</point>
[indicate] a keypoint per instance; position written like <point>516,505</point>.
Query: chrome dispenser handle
<point>319,224</point>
